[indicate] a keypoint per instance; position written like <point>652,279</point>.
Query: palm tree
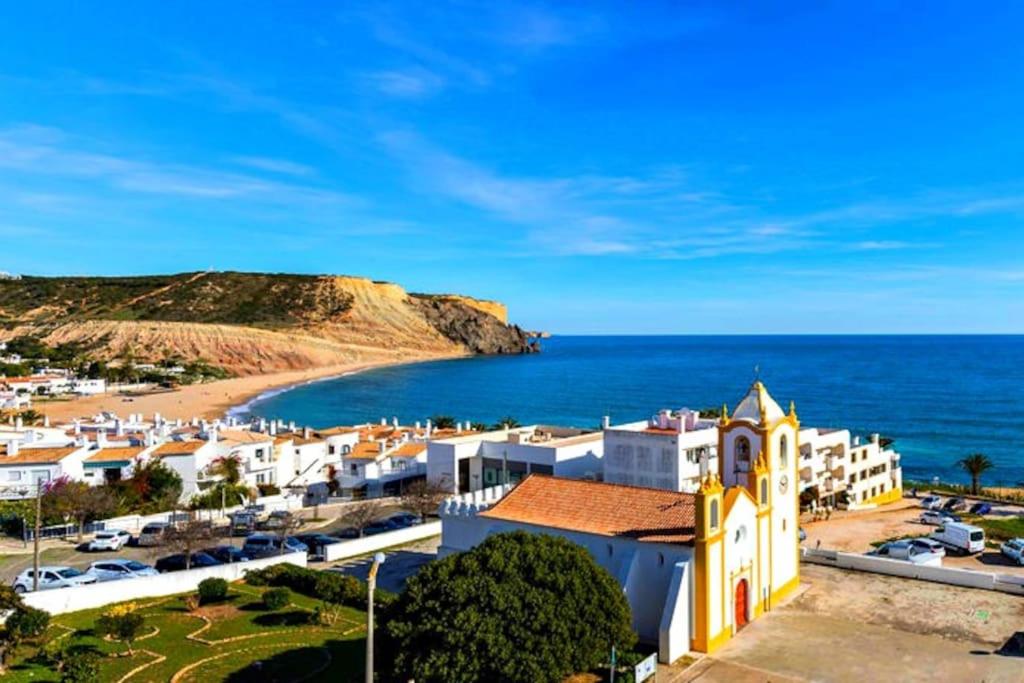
<point>975,464</point>
<point>507,422</point>
<point>229,467</point>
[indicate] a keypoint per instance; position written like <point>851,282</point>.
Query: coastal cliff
<point>253,323</point>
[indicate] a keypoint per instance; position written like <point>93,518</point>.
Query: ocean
<point>939,397</point>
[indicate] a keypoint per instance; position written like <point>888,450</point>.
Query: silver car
<point>1014,550</point>
<point>52,577</point>
<point>113,570</point>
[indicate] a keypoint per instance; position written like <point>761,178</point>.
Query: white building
<point>22,468</point>
<point>840,471</point>
<point>671,450</point>
<point>477,460</point>
<point>695,567</point>
<point>88,387</point>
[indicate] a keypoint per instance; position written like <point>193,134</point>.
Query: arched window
<point>345,450</point>
<point>743,449</point>
<point>783,451</point>
<point>764,491</point>
<point>714,515</point>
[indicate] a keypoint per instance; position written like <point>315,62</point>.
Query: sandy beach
<point>208,400</point>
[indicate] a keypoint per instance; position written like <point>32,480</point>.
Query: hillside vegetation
<point>252,322</point>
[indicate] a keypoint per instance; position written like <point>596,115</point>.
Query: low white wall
<point>63,600</point>
<point>388,539</point>
<point>882,565</point>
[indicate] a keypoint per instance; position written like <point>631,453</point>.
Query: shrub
<point>331,587</point>
<point>518,607</point>
<point>325,614</point>
<point>27,623</point>
<point>276,598</point>
<point>121,622</point>
<point>191,602</point>
<point>212,590</point>
<point>81,666</point>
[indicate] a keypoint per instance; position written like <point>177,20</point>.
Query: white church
<point>695,567</point>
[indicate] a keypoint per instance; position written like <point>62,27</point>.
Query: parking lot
<point>15,557</point>
<point>852,626</point>
<point>856,530</point>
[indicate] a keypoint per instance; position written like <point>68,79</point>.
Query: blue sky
<point>620,168</point>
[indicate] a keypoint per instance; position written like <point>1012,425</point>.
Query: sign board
<point>646,668</point>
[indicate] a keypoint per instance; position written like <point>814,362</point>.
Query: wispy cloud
<point>412,83</point>
<point>280,166</point>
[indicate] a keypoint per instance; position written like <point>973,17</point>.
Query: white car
<point>929,544</point>
<point>908,552</point>
<point>110,539</point>
<point>113,570</point>
<point>935,517</point>
<point>931,502</point>
<point>1014,550</point>
<point>52,577</point>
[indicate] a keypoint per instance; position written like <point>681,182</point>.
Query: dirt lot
<point>854,531</point>
<point>852,626</point>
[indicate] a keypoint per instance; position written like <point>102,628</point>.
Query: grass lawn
<point>235,640</point>
<point>1000,529</point>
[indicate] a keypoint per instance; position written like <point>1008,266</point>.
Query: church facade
<point>695,567</point>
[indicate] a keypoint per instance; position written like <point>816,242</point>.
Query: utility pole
<point>371,586</point>
<point>35,539</point>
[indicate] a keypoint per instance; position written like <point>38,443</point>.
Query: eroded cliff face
<point>253,323</point>
<point>473,328</point>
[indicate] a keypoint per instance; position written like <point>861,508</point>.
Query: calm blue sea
<point>939,397</point>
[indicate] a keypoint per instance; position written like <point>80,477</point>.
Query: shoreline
<point>214,399</point>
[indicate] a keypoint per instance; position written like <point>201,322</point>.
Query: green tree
<point>507,422</point>
<point>228,467</point>
<point>22,623</point>
<point>443,422</point>
<point>975,465</point>
<point>518,607</point>
<point>122,622</point>
<point>478,427</point>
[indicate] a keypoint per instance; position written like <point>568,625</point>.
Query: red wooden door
<point>741,604</point>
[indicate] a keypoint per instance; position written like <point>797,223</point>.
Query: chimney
<point>394,422</point>
<point>261,426</point>
<point>157,419</point>
<point>606,422</point>
<point>211,436</point>
<point>46,420</point>
<point>19,423</point>
<point>273,429</point>
<point>101,438</point>
<point>177,423</point>
<point>383,422</point>
<point>429,428</point>
<point>307,433</point>
<point>148,439</point>
<point>119,426</point>
<point>195,421</point>
<point>13,447</point>
<point>417,425</point>
<point>875,438</point>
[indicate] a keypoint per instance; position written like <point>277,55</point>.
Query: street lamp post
<point>371,585</point>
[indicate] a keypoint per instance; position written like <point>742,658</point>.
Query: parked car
<point>347,532</point>
<point>109,539</point>
<point>175,563</point>
<point>115,569</point>
<point>316,543</point>
<point>954,505</point>
<point>1014,550</point>
<point>960,538</point>
<point>935,517</point>
<point>266,545</point>
<point>929,544</point>
<point>405,519</point>
<point>981,509</point>
<point>379,527</point>
<point>931,502</point>
<point>228,554</point>
<point>242,523</point>
<point>52,577</point>
<point>908,552</point>
<point>278,519</point>
<point>153,534</point>
<point>801,534</point>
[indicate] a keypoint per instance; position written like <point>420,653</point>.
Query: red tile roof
<point>178,448</point>
<point>646,514</point>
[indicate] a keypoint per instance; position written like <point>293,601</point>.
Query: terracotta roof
<point>178,448</point>
<point>663,431</point>
<point>410,449</point>
<point>646,514</point>
<point>336,431</point>
<point>38,455</point>
<point>242,436</point>
<point>366,450</point>
<point>115,454</point>
<point>301,441</point>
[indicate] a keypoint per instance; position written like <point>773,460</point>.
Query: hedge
<point>332,587</point>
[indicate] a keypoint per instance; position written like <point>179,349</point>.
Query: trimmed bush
<point>27,623</point>
<point>212,590</point>
<point>331,587</point>
<point>81,666</point>
<point>276,598</point>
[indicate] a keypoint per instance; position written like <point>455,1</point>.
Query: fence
<point>63,600</point>
<point>388,539</point>
<point>881,565</point>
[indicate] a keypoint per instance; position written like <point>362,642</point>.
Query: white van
<point>153,534</point>
<point>960,538</point>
